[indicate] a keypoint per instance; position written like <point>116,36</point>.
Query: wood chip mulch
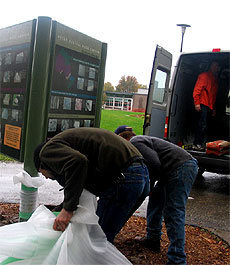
<point>202,246</point>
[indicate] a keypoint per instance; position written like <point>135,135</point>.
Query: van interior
<point>183,117</point>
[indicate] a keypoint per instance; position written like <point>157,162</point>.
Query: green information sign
<point>52,79</point>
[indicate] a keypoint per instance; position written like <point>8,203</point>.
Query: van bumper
<point>216,164</point>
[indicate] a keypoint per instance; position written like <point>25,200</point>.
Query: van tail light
<point>166,127</point>
<point>216,50</point>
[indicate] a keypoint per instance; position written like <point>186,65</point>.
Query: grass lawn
<point>111,119</point>
<point>5,158</point>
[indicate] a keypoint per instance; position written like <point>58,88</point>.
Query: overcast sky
<point>133,28</point>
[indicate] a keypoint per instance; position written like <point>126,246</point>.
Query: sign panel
<point>76,71</point>
<point>15,44</point>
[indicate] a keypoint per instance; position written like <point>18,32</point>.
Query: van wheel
<point>200,173</point>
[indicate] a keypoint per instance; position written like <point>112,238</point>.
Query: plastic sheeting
<point>25,178</point>
<point>35,241</point>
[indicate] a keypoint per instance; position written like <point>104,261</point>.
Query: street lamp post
<point>183,28</point>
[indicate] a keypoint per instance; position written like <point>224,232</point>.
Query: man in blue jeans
<point>101,162</point>
<point>172,173</point>
<point>118,203</point>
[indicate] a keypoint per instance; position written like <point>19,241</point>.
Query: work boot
<point>151,244</point>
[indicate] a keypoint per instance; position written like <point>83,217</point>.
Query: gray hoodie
<point>161,157</point>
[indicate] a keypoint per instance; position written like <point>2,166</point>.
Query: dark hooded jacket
<point>89,158</point>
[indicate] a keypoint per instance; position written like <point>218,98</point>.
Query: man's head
<point>215,67</point>
<point>123,128</point>
<point>125,132</point>
<point>37,162</point>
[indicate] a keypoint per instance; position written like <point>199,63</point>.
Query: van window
<point>159,86</point>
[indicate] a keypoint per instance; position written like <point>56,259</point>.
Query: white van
<point>170,112</point>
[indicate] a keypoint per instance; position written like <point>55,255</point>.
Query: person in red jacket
<point>204,96</point>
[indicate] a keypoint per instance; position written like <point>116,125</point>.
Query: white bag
<point>25,178</point>
<point>35,241</point>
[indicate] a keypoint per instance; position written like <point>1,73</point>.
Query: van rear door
<point>155,115</point>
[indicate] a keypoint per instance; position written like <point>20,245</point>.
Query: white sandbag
<point>35,242</point>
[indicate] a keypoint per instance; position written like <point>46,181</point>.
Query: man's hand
<point>62,220</point>
<point>197,107</point>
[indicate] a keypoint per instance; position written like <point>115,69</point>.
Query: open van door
<point>155,115</point>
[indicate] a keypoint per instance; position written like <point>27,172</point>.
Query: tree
<point>108,87</point>
<point>127,84</point>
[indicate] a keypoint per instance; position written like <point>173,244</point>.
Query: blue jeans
<point>118,203</point>
<point>155,212</point>
<point>171,205</point>
<point>204,115</point>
